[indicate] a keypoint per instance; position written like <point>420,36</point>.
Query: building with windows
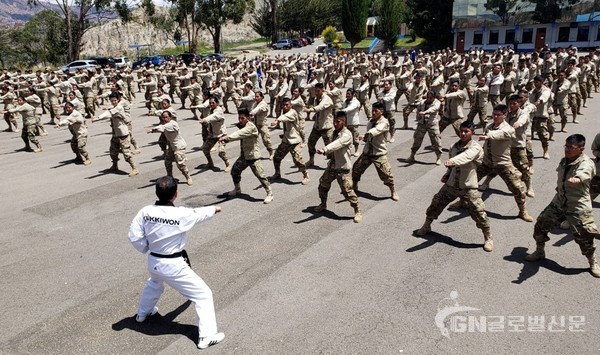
<point>525,25</point>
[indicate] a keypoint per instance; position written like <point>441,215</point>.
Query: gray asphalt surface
<point>286,280</point>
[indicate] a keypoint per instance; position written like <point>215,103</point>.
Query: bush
<point>329,34</point>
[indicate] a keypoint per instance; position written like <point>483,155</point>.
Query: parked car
<point>156,60</point>
<point>86,64</point>
<point>188,58</point>
<point>214,56</point>
<point>304,41</point>
<point>122,62</point>
<point>310,40</point>
<point>170,58</point>
<point>104,61</point>
<point>282,44</point>
<point>296,43</point>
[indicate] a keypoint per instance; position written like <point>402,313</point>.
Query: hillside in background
<point>113,37</point>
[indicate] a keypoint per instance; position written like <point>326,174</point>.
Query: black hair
<point>166,188</point>
<point>578,139</point>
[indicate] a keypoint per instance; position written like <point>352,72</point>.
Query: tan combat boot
<point>357,215</point>
<point>426,228</point>
<point>188,179</point>
<point>227,166</point>
<point>530,192</point>
<point>546,154</point>
<point>488,244</point>
<point>271,154</point>
<point>38,147</point>
<point>438,159</point>
<point>269,197</point>
<point>236,190</point>
<point>538,254</point>
<point>394,194</point>
<point>306,179</point>
<point>524,215</point>
<point>594,267</point>
<point>134,170</point>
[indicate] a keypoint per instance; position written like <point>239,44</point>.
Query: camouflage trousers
<point>313,138</point>
<point>482,112</point>
<point>354,130</point>
<point>28,134</point>
<point>263,131</point>
<point>434,137</point>
<point>494,100</point>
<point>406,111</point>
<point>511,177</point>
<point>78,146</point>
<point>120,145</point>
<point>384,170</point>
<point>11,120</point>
<point>392,120</point>
<point>366,105</point>
<point>520,161</point>
<point>90,106</point>
<point>204,132</point>
<point>529,150</point>
<point>470,198</point>
<point>581,223</point>
<point>257,169</point>
<point>454,122</point>
<point>207,146</point>
<point>561,111</point>
<point>540,126</point>
<point>574,103</point>
<point>344,179</point>
<point>301,123</point>
<point>282,150</point>
<point>235,97</point>
<point>179,157</point>
<point>131,138</point>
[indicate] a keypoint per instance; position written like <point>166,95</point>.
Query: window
<point>527,35</point>
<point>563,34</point>
<point>478,37</point>
<point>494,36</point>
<point>583,34</point>
<point>509,37</point>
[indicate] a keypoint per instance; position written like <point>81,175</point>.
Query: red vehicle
<point>303,40</point>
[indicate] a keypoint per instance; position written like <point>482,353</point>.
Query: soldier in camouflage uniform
<point>291,141</point>
<point>460,180</point>
<point>8,98</point>
<point>250,155</point>
<point>427,122</point>
<point>339,166</point>
<point>498,141</point>
<point>175,150</point>
<point>571,202</point>
<point>215,121</point>
<point>375,151</point>
<point>77,127</point>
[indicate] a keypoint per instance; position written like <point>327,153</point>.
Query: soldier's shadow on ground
<point>491,191</point>
<point>323,214</point>
<point>368,196</point>
<point>160,324</point>
<point>284,181</point>
<point>530,268</point>
<point>66,162</point>
<point>433,238</point>
<point>104,173</point>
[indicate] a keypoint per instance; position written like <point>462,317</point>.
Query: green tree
<point>213,14</point>
<point>431,20</point>
<point>388,22</point>
<point>261,21</point>
<point>79,16</point>
<point>329,34</point>
<point>354,20</point>
<point>547,11</point>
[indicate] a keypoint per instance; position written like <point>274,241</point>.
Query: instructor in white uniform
<point>160,229</point>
